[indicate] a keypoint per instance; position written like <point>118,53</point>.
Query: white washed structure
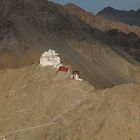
<point>50,58</point>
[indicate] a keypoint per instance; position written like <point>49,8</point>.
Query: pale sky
<point>97,5</point>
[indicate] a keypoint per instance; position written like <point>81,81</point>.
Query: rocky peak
<point>128,17</point>
<point>108,9</point>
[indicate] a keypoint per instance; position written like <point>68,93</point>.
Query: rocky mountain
<point>128,42</point>
<point>28,27</point>
<point>35,106</point>
<point>98,22</point>
<point>128,17</point>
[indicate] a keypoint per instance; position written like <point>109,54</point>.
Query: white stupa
<point>50,58</point>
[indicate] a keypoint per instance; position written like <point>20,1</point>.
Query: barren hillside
<point>35,106</point>
<point>125,38</point>
<point>99,22</point>
<point>130,17</point>
<point>28,27</point>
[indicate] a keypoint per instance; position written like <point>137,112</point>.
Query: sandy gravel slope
<point>33,106</point>
<point>29,27</point>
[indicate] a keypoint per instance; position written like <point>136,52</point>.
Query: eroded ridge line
<point>58,117</point>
